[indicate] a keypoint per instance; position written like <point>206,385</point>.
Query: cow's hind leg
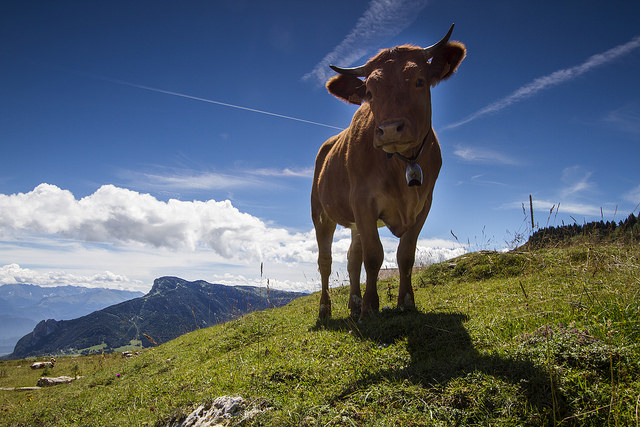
<point>354,267</point>
<point>324,235</point>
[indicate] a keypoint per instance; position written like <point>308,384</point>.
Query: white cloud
<point>633,195</point>
<point>543,207</point>
<point>178,180</point>
<point>428,251</point>
<point>438,244</point>
<point>483,155</point>
<point>427,255</point>
<point>626,119</point>
<point>120,238</point>
<point>82,263</point>
<point>121,216</point>
<point>13,273</point>
<point>286,172</point>
<point>576,181</point>
<point>199,181</point>
<point>573,197</point>
<point>382,20</point>
<point>553,79</point>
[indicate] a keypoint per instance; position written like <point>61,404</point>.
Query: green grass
<point>542,338</point>
<point>134,345</point>
<point>93,349</point>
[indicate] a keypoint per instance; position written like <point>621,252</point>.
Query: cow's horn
<point>429,51</point>
<point>355,71</point>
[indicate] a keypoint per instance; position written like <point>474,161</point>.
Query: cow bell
<point>414,175</point>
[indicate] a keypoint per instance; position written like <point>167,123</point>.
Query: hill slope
<point>627,231</point>
<point>535,338</point>
<point>173,307</point>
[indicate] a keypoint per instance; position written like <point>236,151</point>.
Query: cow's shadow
<point>442,350</point>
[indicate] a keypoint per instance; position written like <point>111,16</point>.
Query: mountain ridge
<point>22,306</point>
<point>171,308</point>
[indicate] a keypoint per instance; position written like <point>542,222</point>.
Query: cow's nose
<point>390,131</point>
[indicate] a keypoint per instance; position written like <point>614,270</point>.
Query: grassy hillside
<point>547,337</point>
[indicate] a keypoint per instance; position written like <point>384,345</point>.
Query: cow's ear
<point>348,88</point>
<point>446,62</point>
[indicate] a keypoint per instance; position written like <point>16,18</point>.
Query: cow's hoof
<point>355,305</point>
<point>325,311</point>
<point>408,303</point>
<point>367,313</point>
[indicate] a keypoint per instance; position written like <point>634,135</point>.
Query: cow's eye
<point>420,83</point>
<point>369,95</point>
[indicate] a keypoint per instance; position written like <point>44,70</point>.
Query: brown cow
<point>370,174</point>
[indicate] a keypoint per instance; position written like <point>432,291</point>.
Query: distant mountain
<point>173,307</point>
<point>22,306</point>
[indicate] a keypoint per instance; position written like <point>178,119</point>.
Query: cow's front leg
<point>372,255</point>
<point>406,257</point>
<point>324,236</point>
<point>354,266</point>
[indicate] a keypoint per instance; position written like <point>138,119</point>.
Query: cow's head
<point>397,88</point>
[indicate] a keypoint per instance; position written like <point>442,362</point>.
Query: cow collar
<point>413,173</point>
<point>413,158</point>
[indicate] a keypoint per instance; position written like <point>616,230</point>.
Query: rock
<point>47,381</point>
<point>42,365</point>
<point>219,412</point>
<point>44,329</point>
<point>221,409</point>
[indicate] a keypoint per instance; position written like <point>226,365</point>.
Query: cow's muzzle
<point>392,135</point>
<point>391,131</point>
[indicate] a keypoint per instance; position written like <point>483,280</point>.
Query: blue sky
<point>142,139</point>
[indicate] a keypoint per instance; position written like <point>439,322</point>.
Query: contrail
<point>210,101</point>
<point>552,79</point>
